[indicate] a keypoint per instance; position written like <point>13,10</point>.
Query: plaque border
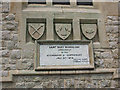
<point>63,67</point>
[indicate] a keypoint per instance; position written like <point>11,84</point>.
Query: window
<point>61,2</point>
<point>37,2</point>
<point>85,2</point>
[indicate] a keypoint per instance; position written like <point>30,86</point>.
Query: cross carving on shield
<point>36,30</point>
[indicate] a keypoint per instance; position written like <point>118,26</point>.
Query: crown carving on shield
<point>63,30</point>
<point>36,30</point>
<point>89,30</point>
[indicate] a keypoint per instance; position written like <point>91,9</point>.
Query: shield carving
<point>63,30</point>
<point>89,30</point>
<point>36,30</point>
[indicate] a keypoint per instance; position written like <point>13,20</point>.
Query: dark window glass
<point>84,2</point>
<point>61,2</point>
<point>37,2</point>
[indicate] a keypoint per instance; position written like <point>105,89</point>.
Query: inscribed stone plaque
<point>64,55</point>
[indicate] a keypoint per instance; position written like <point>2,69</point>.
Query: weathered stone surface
<point>115,29</point>
<point>11,25</point>
<point>20,85</point>
<point>97,55</point>
<point>96,45</point>
<point>29,85</point>
<point>69,83</point>
<point>108,63</point>
<point>4,73</point>
<point>19,65</point>
<point>25,64</point>
<point>14,37</point>
<point>10,67</point>
<point>13,57</point>
<point>79,83</point>
<point>28,51</point>
<point>6,35</point>
<point>112,37</point>
<point>113,44</point>
<point>15,54</point>
<point>3,43</point>
<point>115,53</point>
<point>99,63</point>
<point>5,53</point>
<point>10,45</point>
<point>12,61</point>
<point>5,7</point>
<point>10,17</point>
<point>106,55</point>
<point>104,83</point>
<point>5,60</point>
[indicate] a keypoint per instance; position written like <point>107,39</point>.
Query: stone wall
<point>12,57</point>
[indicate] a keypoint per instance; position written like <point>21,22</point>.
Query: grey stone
<point>79,84</point>
<point>27,54</point>
<point>15,54</point>
<point>115,18</point>
<point>113,44</point>
<point>6,35</point>
<point>10,45</point>
<point>10,67</point>
<point>115,53</point>
<point>110,63</point>
<point>116,22</point>
<point>2,43</point>
<point>5,7</point>
<point>14,37</point>
<point>5,53</point>
<point>28,51</point>
<point>11,25</point>
<point>115,29</point>
<point>109,22</point>
<point>99,63</point>
<point>69,83</point>
<point>29,84</point>
<point>37,79</point>
<point>17,45</point>
<point>97,54</point>
<point>21,66</point>
<point>5,60</point>
<point>106,55</point>
<point>4,73</point>
<point>105,83</point>
<point>20,85</point>
<point>109,17</point>
<point>47,84</point>
<point>38,86</point>
<point>112,37</point>
<point>11,61</point>
<point>96,45</point>
<point>10,17</point>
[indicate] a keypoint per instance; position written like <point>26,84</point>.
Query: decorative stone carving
<point>63,30</point>
<point>36,30</point>
<point>89,30</point>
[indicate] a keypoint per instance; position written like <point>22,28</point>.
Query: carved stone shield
<point>89,30</point>
<point>63,30</point>
<point>36,30</point>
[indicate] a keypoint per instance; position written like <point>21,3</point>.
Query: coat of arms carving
<point>63,30</point>
<point>36,30</point>
<point>89,30</point>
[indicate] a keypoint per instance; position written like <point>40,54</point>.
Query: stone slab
<point>64,55</point>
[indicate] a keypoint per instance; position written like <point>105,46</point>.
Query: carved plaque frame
<point>64,67</point>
